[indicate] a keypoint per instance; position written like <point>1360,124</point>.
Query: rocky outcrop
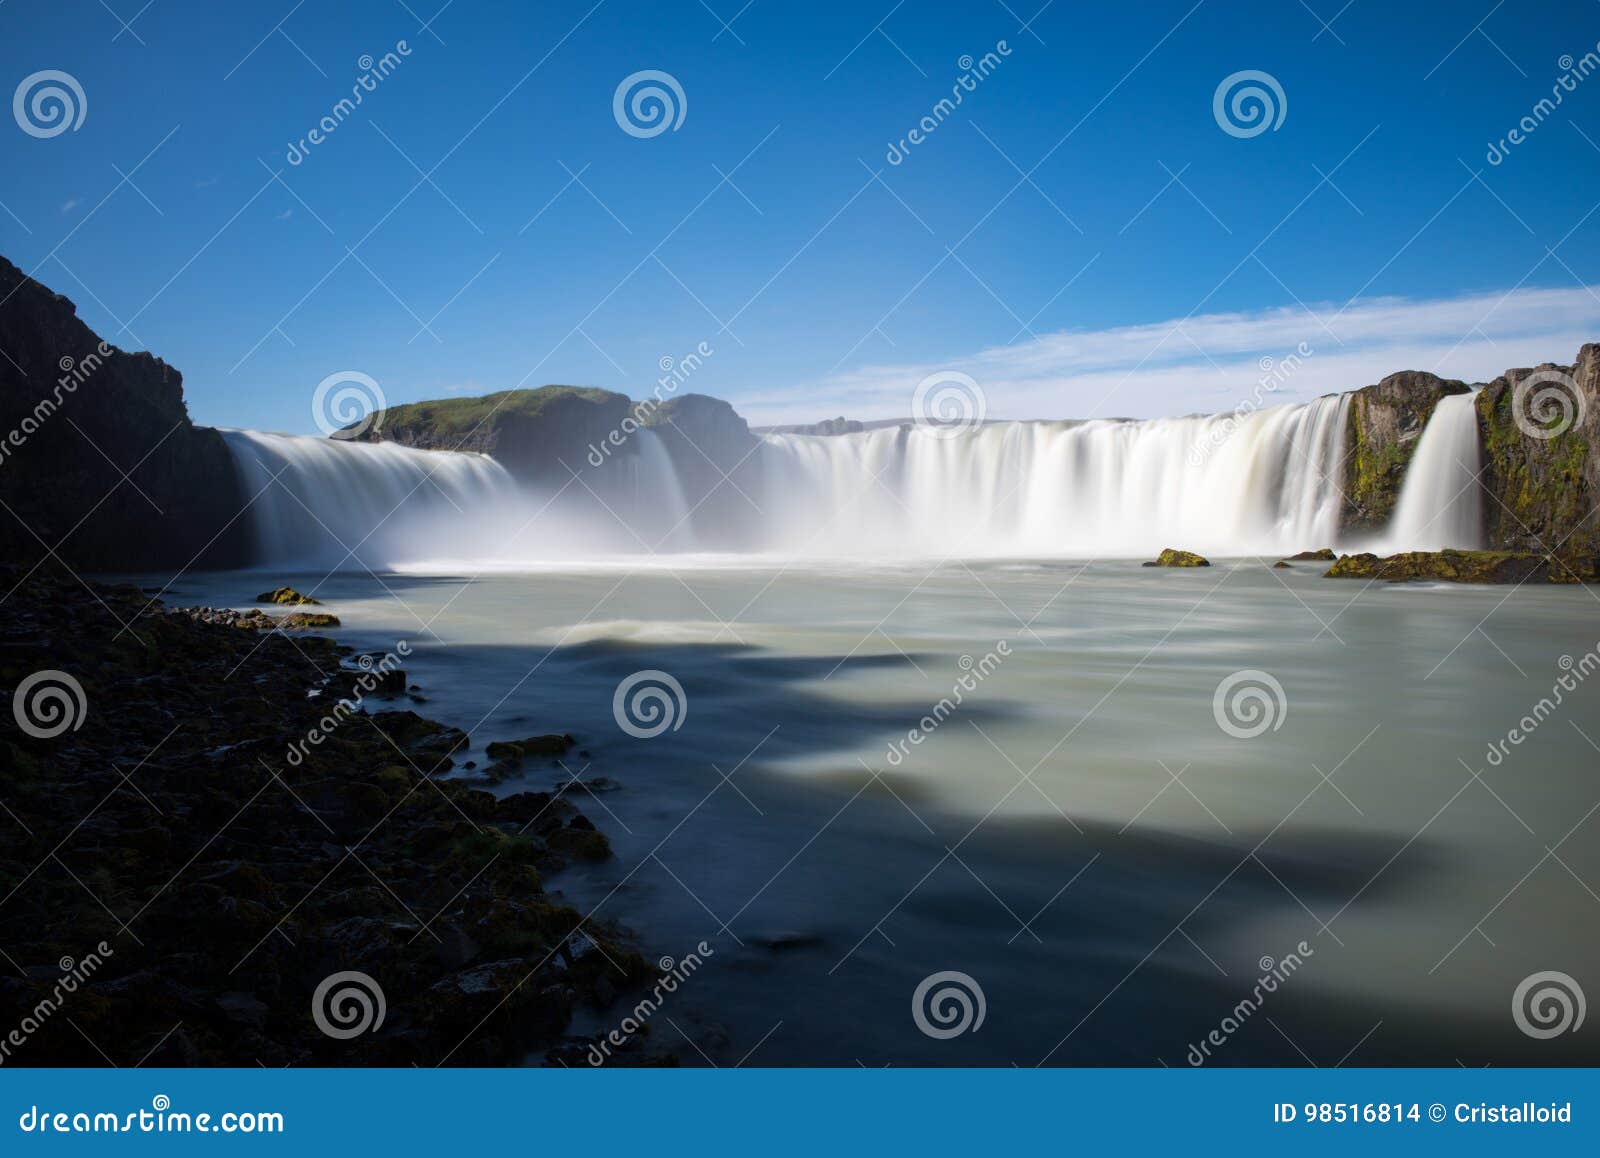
<point>828,427</point>
<point>1468,567</point>
<point>1172,557</point>
<point>712,452</point>
<point>286,595</point>
<point>1384,423</point>
<point>76,416</point>
<point>541,435</point>
<point>293,842</point>
<point>1540,430</point>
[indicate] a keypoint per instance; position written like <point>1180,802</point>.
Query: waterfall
<point>336,504</point>
<point>1263,482</point>
<point>1441,501</point>
<point>660,509</point>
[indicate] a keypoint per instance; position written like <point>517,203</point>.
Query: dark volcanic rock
<point>210,846</point>
<point>713,454</point>
<point>1381,435</point>
<point>1543,474</point>
<point>68,404</point>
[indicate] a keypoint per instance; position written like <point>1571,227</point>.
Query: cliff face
<point>75,414</point>
<point>712,452</point>
<point>1540,429</point>
<point>1385,422</point>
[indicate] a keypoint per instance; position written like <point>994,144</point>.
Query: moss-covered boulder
<point>1541,445</point>
<point>553,744</point>
<point>1321,554</point>
<point>1445,566</point>
<point>287,596</point>
<point>1381,432</point>
<point>1172,557</point>
<point>306,620</point>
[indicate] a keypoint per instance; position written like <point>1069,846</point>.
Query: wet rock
<point>286,595</point>
<point>552,744</point>
<point>1444,566</point>
<point>307,620</point>
<point>1172,557</point>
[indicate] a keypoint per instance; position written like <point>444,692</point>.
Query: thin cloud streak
<point>1210,363</point>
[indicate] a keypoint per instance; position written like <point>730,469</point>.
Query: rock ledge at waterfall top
<point>74,414</point>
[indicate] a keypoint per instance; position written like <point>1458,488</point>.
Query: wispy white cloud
<point>1210,362</point>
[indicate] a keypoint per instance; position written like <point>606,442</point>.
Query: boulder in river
<point>1172,557</point>
<point>288,596</point>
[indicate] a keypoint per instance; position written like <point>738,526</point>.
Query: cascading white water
<point>336,504</point>
<point>656,487</point>
<point>1441,500</point>
<point>1259,483</point>
<point>1263,482</point>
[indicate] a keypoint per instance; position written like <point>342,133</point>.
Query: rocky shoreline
<point>201,850</point>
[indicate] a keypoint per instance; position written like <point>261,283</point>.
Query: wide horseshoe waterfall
<point>1252,483</point>
<point>1259,482</point>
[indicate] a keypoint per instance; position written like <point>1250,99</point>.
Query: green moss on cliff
<point>1373,472</point>
<point>1540,484</point>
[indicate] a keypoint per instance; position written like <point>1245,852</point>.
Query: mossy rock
<point>1444,566</point>
<point>1384,424</point>
<point>308,619</point>
<point>551,744</point>
<point>1172,557</point>
<point>581,843</point>
<point>1324,554</point>
<point>287,596</point>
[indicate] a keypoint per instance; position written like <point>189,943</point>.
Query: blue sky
<point>1147,264</point>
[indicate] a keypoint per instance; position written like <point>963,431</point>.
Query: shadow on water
<point>829,893</point>
<point>828,885</point>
